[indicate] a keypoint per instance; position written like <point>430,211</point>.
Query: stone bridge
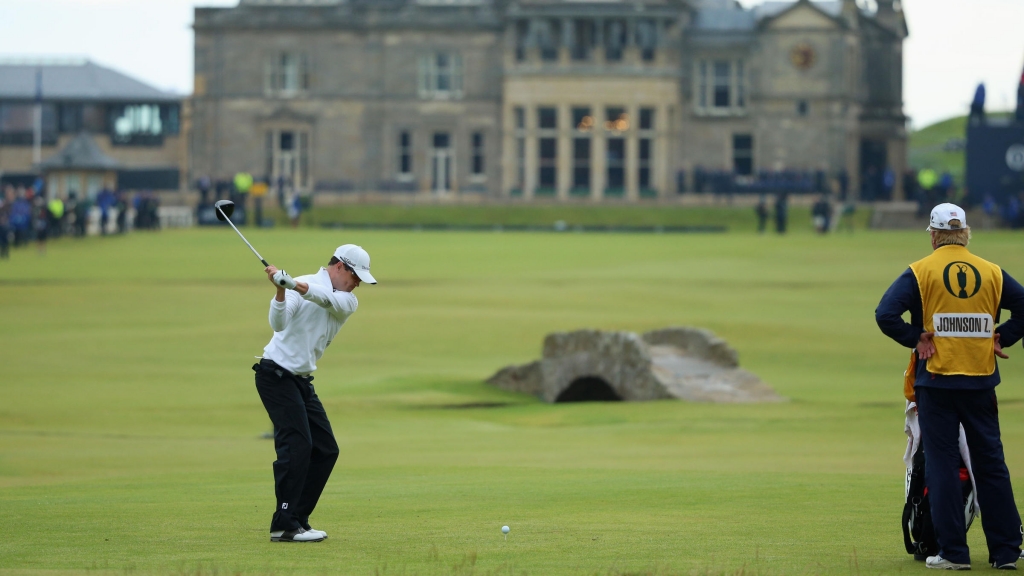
<point>685,363</point>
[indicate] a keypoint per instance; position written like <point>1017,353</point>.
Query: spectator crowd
<point>27,216</point>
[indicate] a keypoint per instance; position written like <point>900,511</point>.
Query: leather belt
<point>271,365</point>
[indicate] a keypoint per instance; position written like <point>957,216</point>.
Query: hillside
<point>940,146</point>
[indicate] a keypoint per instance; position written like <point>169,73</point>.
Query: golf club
<point>224,210</point>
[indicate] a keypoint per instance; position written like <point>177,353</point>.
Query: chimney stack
<point>890,15</point>
<point>851,13</point>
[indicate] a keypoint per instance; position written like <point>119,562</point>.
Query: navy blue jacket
<point>905,295</point>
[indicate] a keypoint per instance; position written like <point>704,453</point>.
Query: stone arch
<point>588,389</point>
<point>686,363</point>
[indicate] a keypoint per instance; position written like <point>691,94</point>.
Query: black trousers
<point>940,412</point>
<point>305,444</point>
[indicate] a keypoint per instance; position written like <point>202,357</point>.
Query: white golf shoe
<point>940,563</point>
<point>299,535</point>
<point>315,531</point>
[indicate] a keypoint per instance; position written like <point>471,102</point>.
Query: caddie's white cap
<point>357,259</point>
<point>943,213</point>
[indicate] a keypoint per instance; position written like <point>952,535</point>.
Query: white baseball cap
<point>943,213</point>
<point>357,259</point>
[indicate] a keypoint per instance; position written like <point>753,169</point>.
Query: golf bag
<point>918,531</point>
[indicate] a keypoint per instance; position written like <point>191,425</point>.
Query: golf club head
<point>224,209</point>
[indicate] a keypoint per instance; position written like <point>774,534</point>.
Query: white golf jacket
<point>305,325</point>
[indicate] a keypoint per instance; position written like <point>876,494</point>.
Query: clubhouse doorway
<point>442,163</point>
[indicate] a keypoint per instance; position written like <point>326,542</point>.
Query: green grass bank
<point>927,147</point>
<point>731,218</point>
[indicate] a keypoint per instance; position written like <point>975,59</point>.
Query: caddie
<point>306,314</point>
<point>954,299</point>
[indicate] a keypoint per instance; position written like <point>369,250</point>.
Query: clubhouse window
<point>720,86</point>
<point>614,39</point>
<point>616,166</point>
<point>440,76</point>
<point>76,117</point>
<point>582,39</point>
<point>547,177</point>
<point>17,124</point>
<point>286,74</point>
<point>519,121</point>
<point>723,85</point>
<point>702,85</point>
<point>645,151</point>
<point>646,119</point>
<point>644,163</point>
<point>581,148</point>
<point>582,119</point>
<point>547,118</point>
<point>142,124</point>
<point>477,163</point>
<point>646,39</point>
<point>741,85</point>
<point>743,154</point>
<point>616,119</point>
<point>70,118</point>
<point>549,38</point>
<point>547,150</point>
<point>405,155</point>
<point>520,163</point>
<point>522,38</point>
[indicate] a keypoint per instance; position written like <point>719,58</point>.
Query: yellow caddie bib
<point>960,295</point>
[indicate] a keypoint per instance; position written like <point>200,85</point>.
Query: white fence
<point>170,217</point>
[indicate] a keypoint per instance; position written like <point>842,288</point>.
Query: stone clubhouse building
<point>559,99</point>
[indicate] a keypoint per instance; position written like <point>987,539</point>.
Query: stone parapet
<point>684,363</point>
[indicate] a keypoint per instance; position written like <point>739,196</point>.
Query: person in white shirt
<point>306,314</point>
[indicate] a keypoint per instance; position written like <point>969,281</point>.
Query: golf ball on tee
<point>504,529</point>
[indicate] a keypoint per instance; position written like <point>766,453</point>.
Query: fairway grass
<point>130,430</point>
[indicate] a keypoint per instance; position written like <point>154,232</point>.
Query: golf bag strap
<point>908,509</point>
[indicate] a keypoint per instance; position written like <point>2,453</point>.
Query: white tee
<point>305,325</point>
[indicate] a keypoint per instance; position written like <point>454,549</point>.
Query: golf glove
<point>283,279</point>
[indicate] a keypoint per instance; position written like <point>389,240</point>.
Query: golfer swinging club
<point>306,315</point>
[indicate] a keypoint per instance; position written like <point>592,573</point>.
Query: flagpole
<point>37,113</point>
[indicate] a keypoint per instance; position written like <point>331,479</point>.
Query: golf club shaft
<point>243,237</point>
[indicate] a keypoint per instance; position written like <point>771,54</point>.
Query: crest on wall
<point>802,56</point>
